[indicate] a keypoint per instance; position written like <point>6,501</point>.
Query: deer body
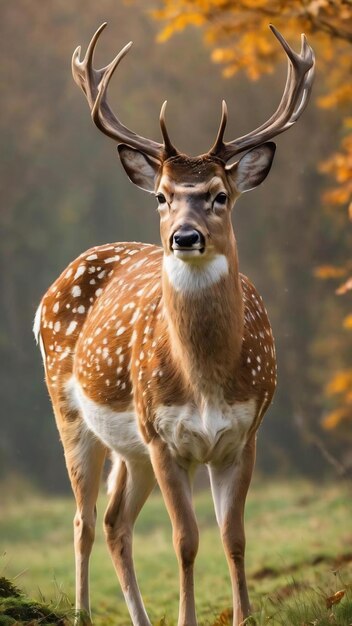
<point>163,358</point>
<point>108,351</point>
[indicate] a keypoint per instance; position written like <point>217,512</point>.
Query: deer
<point>162,358</point>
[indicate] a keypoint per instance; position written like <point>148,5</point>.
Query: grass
<point>16,608</point>
<point>299,553</point>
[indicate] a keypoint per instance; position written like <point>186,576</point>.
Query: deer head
<point>195,195</point>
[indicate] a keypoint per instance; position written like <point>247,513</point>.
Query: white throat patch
<point>190,277</point>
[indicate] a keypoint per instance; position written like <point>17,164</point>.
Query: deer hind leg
<point>175,486</point>
<point>84,456</point>
<point>133,483</point>
<point>229,487</point>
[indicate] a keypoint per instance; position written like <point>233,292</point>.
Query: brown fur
<point>115,322</point>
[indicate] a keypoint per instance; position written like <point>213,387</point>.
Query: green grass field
<point>299,552</point>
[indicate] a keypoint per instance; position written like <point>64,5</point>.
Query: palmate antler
<point>94,83</point>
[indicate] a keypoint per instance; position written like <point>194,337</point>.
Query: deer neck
<point>204,311</point>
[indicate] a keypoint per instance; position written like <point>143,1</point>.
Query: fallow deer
<point>163,357</point>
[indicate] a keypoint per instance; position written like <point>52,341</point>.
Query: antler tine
<point>86,77</point>
<point>94,83</point>
<point>106,124</point>
<point>300,74</point>
<point>219,141</point>
<point>169,147</point>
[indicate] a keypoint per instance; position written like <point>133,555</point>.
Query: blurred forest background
<point>63,190</point>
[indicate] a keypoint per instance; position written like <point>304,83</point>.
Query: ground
<point>299,554</point>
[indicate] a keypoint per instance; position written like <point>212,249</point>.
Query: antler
<point>295,98</point>
<point>94,84</point>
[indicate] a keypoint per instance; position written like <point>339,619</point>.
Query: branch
<point>336,32</point>
<point>341,469</point>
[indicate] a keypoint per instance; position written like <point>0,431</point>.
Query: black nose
<point>188,238</point>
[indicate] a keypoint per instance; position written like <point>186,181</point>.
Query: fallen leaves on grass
<point>224,619</point>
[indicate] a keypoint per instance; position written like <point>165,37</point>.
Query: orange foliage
<point>341,386</point>
<point>329,271</point>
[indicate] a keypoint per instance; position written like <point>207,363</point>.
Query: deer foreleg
<point>175,486</point>
<point>229,488</point>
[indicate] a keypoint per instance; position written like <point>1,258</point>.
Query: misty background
<point>64,190</point>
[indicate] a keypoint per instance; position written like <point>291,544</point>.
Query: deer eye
<point>221,198</point>
<point>160,198</point>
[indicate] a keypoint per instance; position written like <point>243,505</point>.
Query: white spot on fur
<point>71,327</point>
<point>80,270</point>
<point>64,354</point>
<point>76,291</point>
<point>112,259</point>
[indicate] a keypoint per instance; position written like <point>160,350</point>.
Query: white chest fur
<point>215,433</point>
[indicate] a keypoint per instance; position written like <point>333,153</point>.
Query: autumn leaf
<point>335,599</point>
<point>224,619</point>
<point>329,271</point>
<point>347,322</point>
<point>342,381</point>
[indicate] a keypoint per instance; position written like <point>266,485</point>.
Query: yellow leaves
<point>224,619</point>
<point>341,386</point>
<point>179,23</point>
<point>337,97</point>
<point>340,167</point>
<point>340,383</point>
<point>333,419</point>
<point>329,271</point>
<point>254,53</point>
<point>336,196</point>
<point>347,322</point>
<point>222,55</point>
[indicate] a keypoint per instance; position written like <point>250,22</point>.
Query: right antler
<point>295,98</point>
<point>94,84</point>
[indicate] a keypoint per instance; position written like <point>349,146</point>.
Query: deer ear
<point>142,170</point>
<point>253,168</point>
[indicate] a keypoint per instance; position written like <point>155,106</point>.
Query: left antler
<point>295,98</point>
<point>94,84</point>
